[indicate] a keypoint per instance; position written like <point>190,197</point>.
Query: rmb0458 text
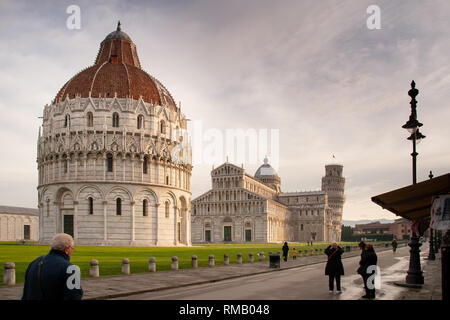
<point>228,309</point>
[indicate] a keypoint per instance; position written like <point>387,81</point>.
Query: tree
<point>347,233</point>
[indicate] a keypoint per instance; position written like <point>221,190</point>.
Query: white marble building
<point>17,223</point>
<point>242,208</point>
<point>113,167</point>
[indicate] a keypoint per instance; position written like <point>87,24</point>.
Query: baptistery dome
<point>116,72</point>
<point>114,166</point>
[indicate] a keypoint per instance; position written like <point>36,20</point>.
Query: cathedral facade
<point>113,169</point>
<point>243,208</point>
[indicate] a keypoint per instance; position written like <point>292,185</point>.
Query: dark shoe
<point>365,297</point>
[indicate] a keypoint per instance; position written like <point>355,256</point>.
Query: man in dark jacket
<point>334,268</point>
<point>53,277</point>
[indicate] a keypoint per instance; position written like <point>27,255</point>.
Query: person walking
<point>294,254</point>
<point>53,277</point>
<point>394,245</point>
<point>369,258</point>
<point>334,268</point>
<point>285,249</point>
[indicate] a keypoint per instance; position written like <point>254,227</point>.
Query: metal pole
<point>431,255</point>
<point>445,261</point>
<point>414,160</point>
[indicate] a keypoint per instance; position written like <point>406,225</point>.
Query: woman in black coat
<point>285,251</point>
<point>369,258</point>
<point>334,268</point>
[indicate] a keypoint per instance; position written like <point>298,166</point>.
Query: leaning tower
<point>333,183</point>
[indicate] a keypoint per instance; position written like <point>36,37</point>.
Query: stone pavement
<point>123,285</point>
<point>432,288</point>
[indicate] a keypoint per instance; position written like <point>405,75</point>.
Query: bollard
<point>94,270</point>
<point>9,276</point>
<point>305,252</point>
<point>274,261</point>
<point>152,264</point>
<point>279,253</point>
<point>211,260</point>
<point>261,256</point>
<point>226,259</point>
<point>239,258</point>
<point>174,263</point>
<point>270,252</point>
<point>347,249</point>
<point>250,257</point>
<point>125,266</point>
<point>317,251</point>
<point>312,251</point>
<point>194,262</point>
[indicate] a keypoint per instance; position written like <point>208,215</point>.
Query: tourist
<point>394,245</point>
<point>334,268</point>
<point>362,247</point>
<point>285,251</point>
<point>369,258</point>
<point>294,254</point>
<point>53,277</point>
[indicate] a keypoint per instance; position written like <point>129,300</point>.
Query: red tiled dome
<point>117,70</point>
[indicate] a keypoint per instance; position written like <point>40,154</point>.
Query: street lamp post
<point>415,275</point>
<point>431,255</point>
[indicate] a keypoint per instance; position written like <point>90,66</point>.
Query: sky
<point>312,71</point>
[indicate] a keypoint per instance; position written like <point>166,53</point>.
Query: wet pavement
<point>305,273</point>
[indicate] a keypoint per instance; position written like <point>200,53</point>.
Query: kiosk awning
<point>414,202</point>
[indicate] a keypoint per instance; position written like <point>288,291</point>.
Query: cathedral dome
<point>265,170</point>
<point>117,72</point>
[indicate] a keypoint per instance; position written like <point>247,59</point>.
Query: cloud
<point>312,70</point>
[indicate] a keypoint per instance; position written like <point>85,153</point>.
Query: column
<point>115,166</point>
<point>132,167</point>
<point>175,218</point>
<point>124,164</point>
<point>157,223</point>
<point>75,220</point>
<point>105,225</point>
<point>132,203</point>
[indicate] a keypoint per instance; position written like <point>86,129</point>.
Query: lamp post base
<point>415,274</point>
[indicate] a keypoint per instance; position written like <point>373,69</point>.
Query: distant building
<point>18,223</point>
<point>245,208</point>
<point>400,229</point>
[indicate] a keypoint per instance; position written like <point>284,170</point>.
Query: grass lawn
<point>110,258</point>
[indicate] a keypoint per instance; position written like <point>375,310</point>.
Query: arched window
<point>140,121</point>
<point>109,162</point>
<point>118,206</point>
<point>145,165</point>
<point>144,207</point>
<point>115,120</point>
<point>167,180</point>
<point>167,209</point>
<point>90,119</point>
<point>67,121</point>
<point>301,227</point>
<point>163,126</point>
<point>91,205</point>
